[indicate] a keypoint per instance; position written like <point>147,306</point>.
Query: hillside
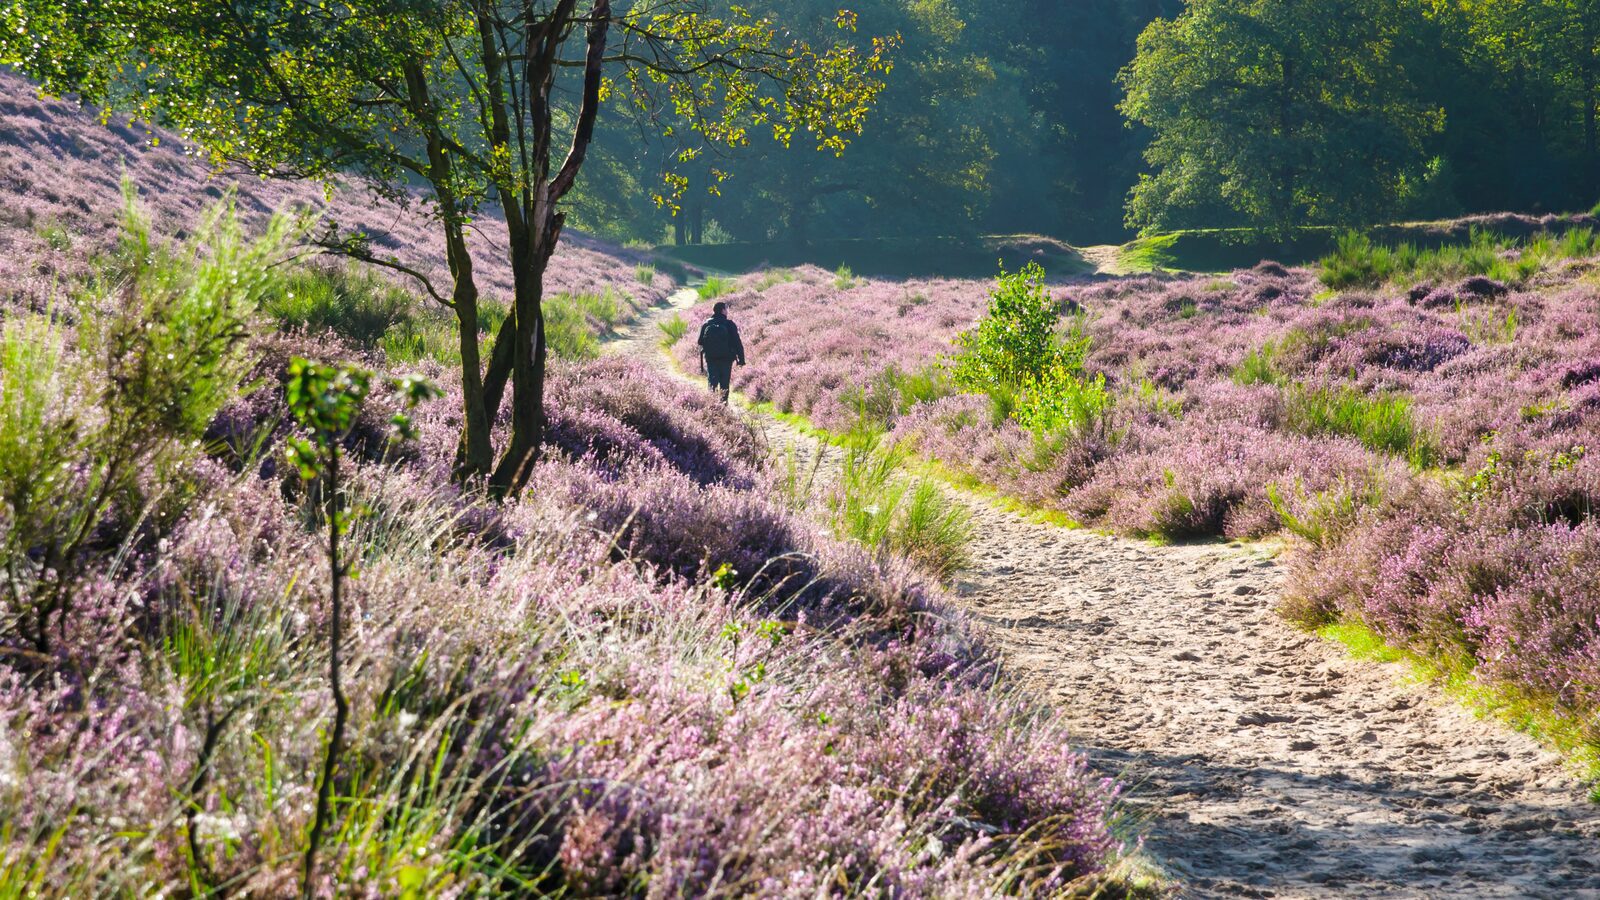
<point>61,170</point>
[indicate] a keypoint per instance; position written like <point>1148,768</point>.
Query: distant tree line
<point>1095,118</point>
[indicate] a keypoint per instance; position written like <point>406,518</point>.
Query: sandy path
<point>1266,763</point>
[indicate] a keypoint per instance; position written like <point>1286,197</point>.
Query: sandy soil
<point>1264,762</point>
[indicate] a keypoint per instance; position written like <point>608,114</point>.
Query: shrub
<point>1061,399</point>
<point>107,428</point>
<point>1016,338</point>
<point>844,279</point>
<point>644,274</point>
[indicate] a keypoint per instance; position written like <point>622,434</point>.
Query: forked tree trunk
<point>534,230</point>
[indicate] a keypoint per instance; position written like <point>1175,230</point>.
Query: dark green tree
<point>1278,113</point>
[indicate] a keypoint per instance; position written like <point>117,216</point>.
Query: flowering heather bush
<point>649,677</point>
<point>1431,443</point>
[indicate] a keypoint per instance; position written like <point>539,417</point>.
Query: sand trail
<point>1264,762</point>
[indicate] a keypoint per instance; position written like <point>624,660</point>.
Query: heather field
<point>656,675</point>
<point>650,676</point>
<point>1421,434</point>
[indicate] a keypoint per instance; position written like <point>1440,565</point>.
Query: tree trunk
<point>536,230</point>
<point>528,354</point>
<point>477,451</point>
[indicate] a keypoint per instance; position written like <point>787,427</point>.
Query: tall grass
<point>876,505</point>
<point>1358,262</point>
<point>717,286</point>
<point>771,277</point>
<point>673,330</point>
<point>1380,422</point>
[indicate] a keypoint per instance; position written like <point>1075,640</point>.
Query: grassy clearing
<point>1530,715</point>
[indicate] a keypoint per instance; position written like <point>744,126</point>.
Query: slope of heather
<point>60,173</point>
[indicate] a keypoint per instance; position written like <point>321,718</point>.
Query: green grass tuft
<point>673,330</point>
<point>717,286</point>
<point>1380,422</point>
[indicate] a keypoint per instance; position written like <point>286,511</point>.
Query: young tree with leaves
<point>489,106</point>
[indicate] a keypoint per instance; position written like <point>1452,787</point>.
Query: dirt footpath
<point>1265,762</point>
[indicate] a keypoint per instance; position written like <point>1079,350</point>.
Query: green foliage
<point>644,274</point>
<point>159,349</point>
<point>877,506</point>
<point>1380,422</point>
<point>1359,262</point>
<point>1062,400</point>
<point>673,330</point>
<point>1015,339</point>
<point>325,401</point>
<point>844,279</point>
<point>1259,366</point>
<point>717,286</point>
<point>1030,373</point>
<point>1256,118</point>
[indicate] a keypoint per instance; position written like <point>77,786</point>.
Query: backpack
<point>718,339</point>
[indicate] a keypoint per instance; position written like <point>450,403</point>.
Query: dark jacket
<point>719,340</point>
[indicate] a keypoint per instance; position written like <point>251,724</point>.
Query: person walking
<point>720,347</point>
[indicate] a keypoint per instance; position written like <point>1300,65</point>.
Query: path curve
<point>1265,762</point>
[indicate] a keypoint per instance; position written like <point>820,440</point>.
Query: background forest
<point>1091,120</point>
